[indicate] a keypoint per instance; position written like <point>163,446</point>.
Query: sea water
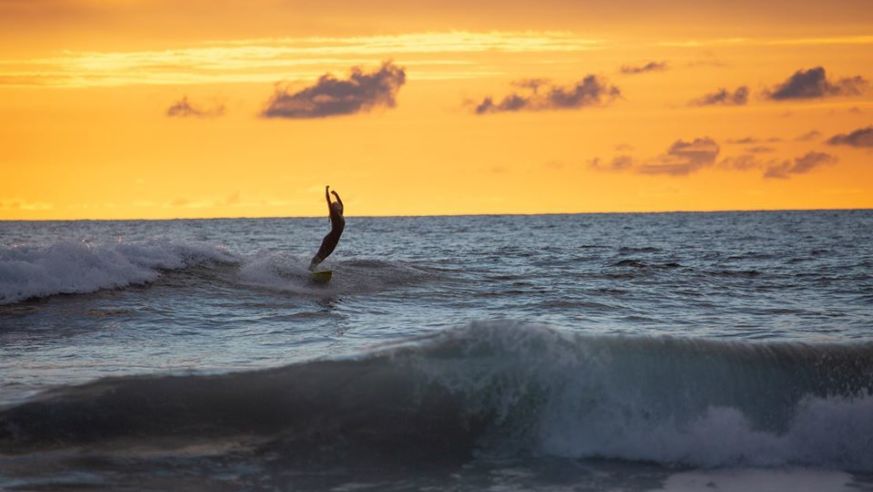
<point>680,351</point>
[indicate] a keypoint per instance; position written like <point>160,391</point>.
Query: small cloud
<point>648,67</point>
<point>752,140</point>
<point>856,110</point>
<point>184,109</point>
<point>810,135</point>
<point>743,141</point>
<point>723,97</point>
<point>744,162</point>
<point>590,91</point>
<point>232,199</point>
<point>813,83</point>
<point>530,84</point>
<point>683,158</point>
<point>800,165</point>
<point>862,137</point>
<point>334,97</point>
<point>617,164</point>
<point>623,146</point>
<point>759,149</point>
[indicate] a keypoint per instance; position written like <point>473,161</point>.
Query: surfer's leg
<point>328,244</point>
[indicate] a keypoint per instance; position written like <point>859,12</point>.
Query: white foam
<point>277,271</point>
<point>647,399</point>
<point>69,267</point>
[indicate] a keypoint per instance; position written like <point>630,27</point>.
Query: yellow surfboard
<point>322,277</point>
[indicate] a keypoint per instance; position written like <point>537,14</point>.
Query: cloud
<point>683,158</point>
<point>723,97</point>
<point>813,83</point>
<point>648,67</point>
<point>862,137</point>
<point>800,165</point>
<point>744,162</point>
<point>810,135</point>
<point>184,109</point>
<point>590,91</point>
<point>531,84</point>
<point>448,55</point>
<point>334,97</point>
<point>232,199</point>
<point>618,163</point>
<point>759,149</point>
<point>752,140</point>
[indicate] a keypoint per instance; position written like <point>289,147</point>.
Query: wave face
<point>499,389</point>
<point>70,267</point>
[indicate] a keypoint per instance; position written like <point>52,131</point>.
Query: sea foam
<point>69,267</point>
<point>501,389</point>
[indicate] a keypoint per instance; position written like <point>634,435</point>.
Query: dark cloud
<point>862,137</point>
<point>333,97</point>
<point>800,165</point>
<point>813,83</point>
<point>810,135</point>
<point>590,91</point>
<point>648,67</point>
<point>184,109</point>
<point>752,140</point>
<point>618,163</point>
<point>723,97</point>
<point>683,158</point>
<point>759,149</point>
<point>531,84</point>
<point>744,162</point>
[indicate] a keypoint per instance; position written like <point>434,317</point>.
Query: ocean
<point>657,352</point>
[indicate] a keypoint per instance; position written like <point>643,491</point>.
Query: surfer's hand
<point>334,194</point>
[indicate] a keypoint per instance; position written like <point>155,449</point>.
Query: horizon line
<point>505,214</point>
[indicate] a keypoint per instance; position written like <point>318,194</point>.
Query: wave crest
<point>502,388</point>
<point>70,267</point>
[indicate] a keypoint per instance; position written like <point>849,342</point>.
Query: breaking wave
<point>502,389</point>
<point>70,267</point>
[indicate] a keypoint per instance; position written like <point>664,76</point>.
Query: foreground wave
<point>502,389</point>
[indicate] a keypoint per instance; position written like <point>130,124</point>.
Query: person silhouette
<point>337,224</point>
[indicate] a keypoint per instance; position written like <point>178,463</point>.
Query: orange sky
<point>162,109</point>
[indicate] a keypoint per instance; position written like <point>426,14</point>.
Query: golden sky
<point>229,108</point>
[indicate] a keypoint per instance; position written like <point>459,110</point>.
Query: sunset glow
<point>149,109</point>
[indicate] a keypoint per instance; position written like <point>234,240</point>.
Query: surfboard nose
<point>322,277</point>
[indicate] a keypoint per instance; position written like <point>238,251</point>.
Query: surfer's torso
<point>337,221</point>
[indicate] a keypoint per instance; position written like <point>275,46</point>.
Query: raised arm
<point>338,199</point>
<point>327,196</point>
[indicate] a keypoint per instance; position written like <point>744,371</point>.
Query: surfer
<point>337,224</point>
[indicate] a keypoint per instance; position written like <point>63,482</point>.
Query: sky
<point>128,109</point>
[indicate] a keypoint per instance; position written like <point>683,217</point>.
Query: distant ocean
<point>679,351</point>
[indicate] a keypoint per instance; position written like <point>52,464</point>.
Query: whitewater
<point>680,351</point>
